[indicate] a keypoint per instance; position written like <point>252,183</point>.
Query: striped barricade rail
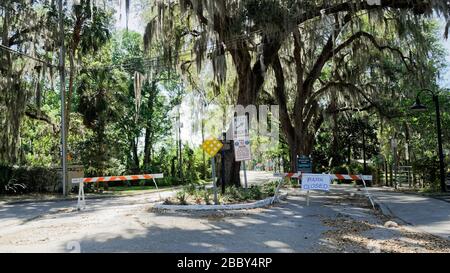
<point>350,177</point>
<point>290,175</point>
<point>353,177</point>
<point>333,176</point>
<point>81,198</point>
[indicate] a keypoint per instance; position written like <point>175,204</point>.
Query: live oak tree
<point>24,28</point>
<point>252,32</point>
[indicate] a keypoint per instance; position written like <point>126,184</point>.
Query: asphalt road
<point>127,224</point>
<point>256,177</point>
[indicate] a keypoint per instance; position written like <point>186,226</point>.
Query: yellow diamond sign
<point>212,146</point>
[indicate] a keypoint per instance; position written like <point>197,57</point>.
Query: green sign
<point>304,164</point>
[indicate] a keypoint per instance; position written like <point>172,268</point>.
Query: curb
<point>258,204</point>
<point>88,197</point>
<point>378,204</point>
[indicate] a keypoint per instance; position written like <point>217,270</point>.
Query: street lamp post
<point>418,106</point>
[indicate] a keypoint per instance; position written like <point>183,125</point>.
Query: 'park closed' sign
<point>319,182</point>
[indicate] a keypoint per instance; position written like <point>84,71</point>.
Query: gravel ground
<point>333,222</point>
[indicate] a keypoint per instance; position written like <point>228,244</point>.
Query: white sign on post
<point>320,182</point>
<point>241,139</point>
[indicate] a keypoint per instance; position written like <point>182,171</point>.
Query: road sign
<point>212,146</point>
<point>241,139</point>
<point>319,182</point>
<point>304,164</point>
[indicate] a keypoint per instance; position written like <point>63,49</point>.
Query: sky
<point>445,77</point>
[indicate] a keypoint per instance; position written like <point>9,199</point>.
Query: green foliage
<point>15,180</point>
<point>182,197</point>
<point>207,197</point>
<point>190,189</point>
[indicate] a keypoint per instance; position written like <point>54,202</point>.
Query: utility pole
<point>440,150</point>
<point>62,54</point>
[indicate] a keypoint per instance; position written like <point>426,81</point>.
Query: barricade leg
<point>275,196</point>
<point>157,188</point>
<point>367,191</point>
<point>81,204</point>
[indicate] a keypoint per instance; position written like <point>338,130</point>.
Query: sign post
<point>245,174</point>
<point>213,168</point>
<point>241,135</point>
<point>212,146</point>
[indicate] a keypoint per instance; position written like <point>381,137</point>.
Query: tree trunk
<point>12,101</point>
<point>147,148</point>
<point>250,80</point>
<point>149,130</point>
<point>135,156</point>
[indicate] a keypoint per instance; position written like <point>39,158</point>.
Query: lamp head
<point>418,106</point>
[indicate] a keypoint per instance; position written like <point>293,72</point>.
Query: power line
<point>147,62</point>
<point>26,55</point>
<point>241,37</point>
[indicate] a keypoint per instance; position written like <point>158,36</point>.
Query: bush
<point>355,168</point>
<point>32,179</point>
<point>340,170</point>
<point>5,177</point>
<point>269,188</point>
<point>254,193</point>
<point>182,197</point>
<point>190,189</point>
<point>12,187</point>
<point>207,197</point>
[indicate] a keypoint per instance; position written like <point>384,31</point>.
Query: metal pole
<point>224,135</point>
<point>364,150</point>
<point>441,153</point>
<point>63,95</point>
<point>245,174</point>
<point>213,167</point>
<point>180,146</point>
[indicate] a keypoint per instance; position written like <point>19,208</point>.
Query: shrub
<point>5,177</point>
<point>235,193</point>
<point>269,188</point>
<point>181,197</point>
<point>340,170</point>
<point>254,193</point>
<point>12,187</point>
<point>32,179</point>
<point>355,168</point>
<point>190,189</point>
<point>207,197</point>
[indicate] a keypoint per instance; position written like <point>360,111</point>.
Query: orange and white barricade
<point>333,176</point>
<point>354,177</point>
<point>81,198</point>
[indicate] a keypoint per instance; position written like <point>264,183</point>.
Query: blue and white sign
<point>319,182</point>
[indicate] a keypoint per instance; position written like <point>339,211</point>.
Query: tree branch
<point>36,114</point>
